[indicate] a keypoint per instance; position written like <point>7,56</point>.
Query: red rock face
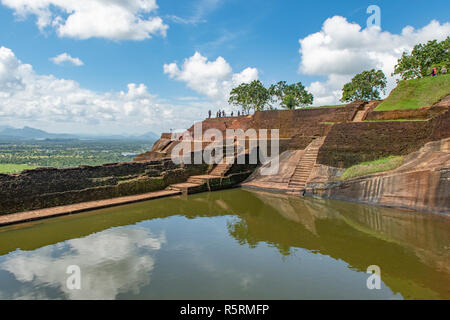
<point>422,183</point>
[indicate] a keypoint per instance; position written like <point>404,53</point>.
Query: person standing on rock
<point>209,114</point>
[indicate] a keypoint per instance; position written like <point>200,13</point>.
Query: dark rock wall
<point>47,187</point>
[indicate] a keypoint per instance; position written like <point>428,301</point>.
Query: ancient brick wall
<point>421,113</point>
<point>348,144</point>
<point>304,122</point>
<point>47,187</point>
<point>440,126</point>
<point>302,125</point>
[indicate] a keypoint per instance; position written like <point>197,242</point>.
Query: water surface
<point>234,244</point>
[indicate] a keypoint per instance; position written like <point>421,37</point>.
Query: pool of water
<point>234,244</point>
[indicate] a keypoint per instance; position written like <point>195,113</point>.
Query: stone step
<point>304,167</point>
<point>300,176</point>
<point>196,181</point>
<point>222,168</point>
<point>185,188</point>
<point>303,173</point>
<point>297,182</point>
<point>304,170</point>
<point>297,186</point>
<point>184,185</point>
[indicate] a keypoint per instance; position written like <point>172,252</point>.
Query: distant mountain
<point>149,136</point>
<point>31,133</point>
<point>28,133</point>
<point>4,127</point>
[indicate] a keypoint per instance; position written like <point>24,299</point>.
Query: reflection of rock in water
<point>426,234</point>
<point>115,261</point>
<point>296,209</point>
<point>411,247</point>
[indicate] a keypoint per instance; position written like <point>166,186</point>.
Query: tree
<point>250,96</point>
<point>364,86</point>
<point>291,96</point>
<point>423,57</point>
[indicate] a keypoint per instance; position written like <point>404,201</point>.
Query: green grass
<point>15,168</point>
<point>380,165</point>
<point>417,93</point>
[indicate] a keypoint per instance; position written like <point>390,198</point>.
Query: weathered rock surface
<point>280,181</point>
<point>421,183</point>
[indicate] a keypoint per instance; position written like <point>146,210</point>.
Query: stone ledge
<point>29,216</point>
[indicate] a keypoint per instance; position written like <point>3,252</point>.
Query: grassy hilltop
<point>417,93</point>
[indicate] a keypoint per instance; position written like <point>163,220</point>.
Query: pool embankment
<point>41,214</point>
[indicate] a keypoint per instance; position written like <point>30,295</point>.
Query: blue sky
<point>261,37</point>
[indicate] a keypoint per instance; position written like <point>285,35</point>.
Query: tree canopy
<point>364,86</point>
<point>250,96</point>
<point>291,96</point>
<point>257,97</point>
<point>423,58</point>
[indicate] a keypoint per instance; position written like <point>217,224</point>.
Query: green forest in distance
<point>16,156</point>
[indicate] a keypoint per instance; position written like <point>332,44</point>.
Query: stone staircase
<point>196,183</point>
<point>360,115</point>
<point>305,165</point>
<point>185,188</point>
<point>164,150</point>
<point>222,168</point>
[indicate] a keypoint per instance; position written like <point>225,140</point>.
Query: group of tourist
<point>222,114</point>
<point>434,72</point>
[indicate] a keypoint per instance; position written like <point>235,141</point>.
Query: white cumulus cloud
<point>65,57</point>
<point>83,19</point>
<point>214,79</point>
<point>33,99</point>
<point>342,49</point>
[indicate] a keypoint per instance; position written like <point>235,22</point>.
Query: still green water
<point>234,244</point>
